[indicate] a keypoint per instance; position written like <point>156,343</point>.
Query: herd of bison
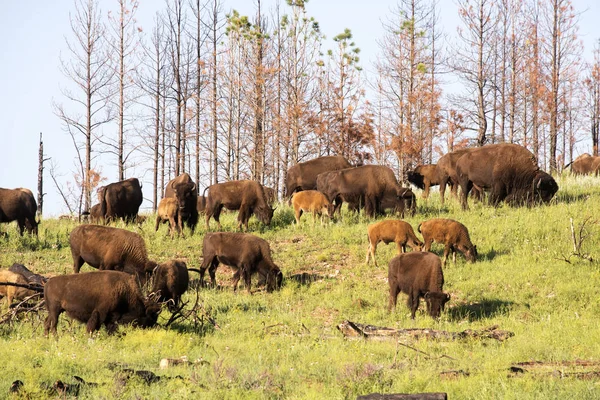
<point>114,294</point>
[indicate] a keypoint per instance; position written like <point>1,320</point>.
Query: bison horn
<point>539,183</point>
<point>275,208</point>
<point>172,185</point>
<point>194,188</point>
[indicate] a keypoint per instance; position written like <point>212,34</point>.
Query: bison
<point>121,200</point>
<point>399,232</point>
<point>508,171</point>
<point>168,210</point>
<point>417,274</point>
<point>19,204</point>
<point>246,196</point>
<point>108,248</point>
<point>446,169</point>
<point>310,201</point>
<point>585,164</point>
<point>184,190</point>
<point>171,280</point>
<point>201,205</point>
<point>303,176</point>
<point>245,252</point>
<point>370,182</point>
<point>390,201</point>
<point>423,177</point>
<point>453,234</point>
<point>13,292</point>
<point>271,195</point>
<point>96,298</point>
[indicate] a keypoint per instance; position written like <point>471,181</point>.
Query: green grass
<point>286,344</point>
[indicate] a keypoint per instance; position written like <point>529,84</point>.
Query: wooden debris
<point>578,369</point>
<point>400,396</point>
<point>353,330</point>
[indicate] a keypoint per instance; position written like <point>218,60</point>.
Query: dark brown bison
<point>388,231</point>
<point>303,176</point>
<point>391,202</point>
<point>121,200</point>
<point>247,196</point>
<point>184,190</point>
<point>418,274</point>
<point>370,182</point>
<point>451,233</point>
<point>93,215</point>
<point>446,169</point>
<point>108,248</point>
<point>19,205</point>
<point>96,298</point>
<point>423,177</point>
<point>247,253</point>
<point>168,211</point>
<point>171,280</point>
<point>508,171</point>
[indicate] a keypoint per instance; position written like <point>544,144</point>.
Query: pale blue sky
<point>33,35</point>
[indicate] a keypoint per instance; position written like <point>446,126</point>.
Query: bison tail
<point>194,270</point>
<point>419,228</point>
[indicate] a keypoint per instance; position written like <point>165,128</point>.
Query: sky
<point>33,35</point>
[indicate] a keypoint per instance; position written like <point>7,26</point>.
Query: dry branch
<point>353,330</point>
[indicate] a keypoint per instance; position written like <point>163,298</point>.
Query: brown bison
<point>171,280</point>
<point>418,274</point>
<point>245,252</point>
<point>423,177</point>
<point>303,176</point>
<point>168,211</point>
<point>446,169</point>
<point>20,205</point>
<point>121,200</point>
<point>108,248</point>
<point>508,170</point>
<point>453,234</point>
<point>96,298</point>
<point>399,232</point>
<point>391,202</point>
<point>310,201</point>
<point>247,196</point>
<point>201,205</point>
<point>184,190</point>
<point>271,195</point>
<point>585,164</point>
<point>13,292</point>
<point>370,182</point>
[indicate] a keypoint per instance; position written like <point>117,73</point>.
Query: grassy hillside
<point>286,344</point>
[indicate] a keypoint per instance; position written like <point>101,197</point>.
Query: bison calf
<point>452,234</point>
<point>418,274</point>
<point>168,210</point>
<point>245,252</point>
<point>389,231</point>
<point>13,292</point>
<point>109,248</point>
<point>96,298</point>
<point>310,201</point>
<point>171,280</point>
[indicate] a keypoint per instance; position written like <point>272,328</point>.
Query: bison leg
<point>465,185</point>
<point>427,243</point>
<point>94,323</point>
<point>371,251</point>
<point>158,221</point>
<point>446,252</point>
<point>77,263</point>
<point>247,279</point>
<point>212,271</point>
<point>413,303</point>
<point>393,297</point>
<point>54,310</point>
<point>443,182</point>
<point>236,279</point>
<point>425,194</point>
<point>21,224</point>
<point>298,214</point>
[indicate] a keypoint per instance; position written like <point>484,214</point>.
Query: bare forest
<point>225,96</point>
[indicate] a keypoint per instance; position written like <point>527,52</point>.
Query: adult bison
<point>585,164</point>
<point>509,171</point>
<point>121,200</point>
<point>184,190</point>
<point>424,177</point>
<point>370,182</point>
<point>171,280</point>
<point>19,205</point>
<point>246,196</point>
<point>108,248</point>
<point>446,169</point>
<point>303,176</point>
<point>97,298</point>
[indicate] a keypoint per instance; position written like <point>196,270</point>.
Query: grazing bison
<point>453,234</point>
<point>271,195</point>
<point>310,201</point>
<point>303,176</point>
<point>370,182</point>
<point>201,205</point>
<point>168,210</point>
<point>96,298</point>
<point>19,204</point>
<point>171,280</point>
<point>247,196</point>
<point>418,274</point>
<point>245,252</point>
<point>446,168</point>
<point>121,200</point>
<point>423,177</point>
<point>399,232</point>
<point>508,171</point>
<point>13,292</point>
<point>184,190</point>
<point>391,202</point>
<point>585,164</point>
<point>108,248</point>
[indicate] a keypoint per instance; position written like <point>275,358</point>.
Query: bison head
<point>416,179</point>
<point>436,302</point>
<point>471,254</point>
<point>265,214</point>
<point>151,315</point>
<point>544,186</point>
<point>274,279</point>
<point>186,195</point>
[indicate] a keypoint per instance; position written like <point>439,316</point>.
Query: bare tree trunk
<point>40,185</point>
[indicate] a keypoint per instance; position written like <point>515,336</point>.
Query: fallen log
<point>401,396</point>
<point>31,277</point>
<point>355,330</point>
<point>578,369</point>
